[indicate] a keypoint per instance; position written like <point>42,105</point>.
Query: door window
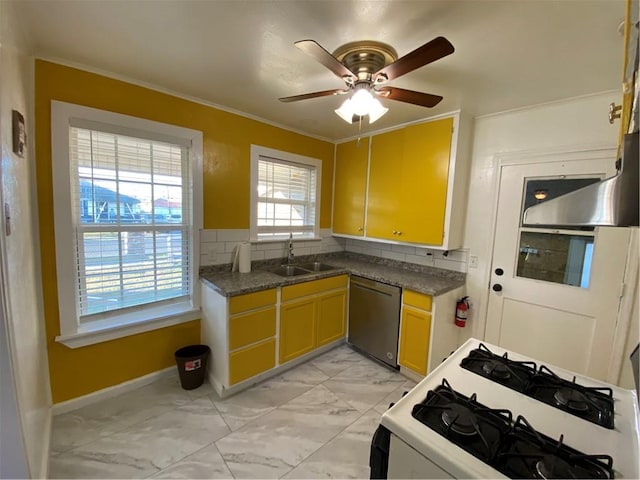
<point>551,254</point>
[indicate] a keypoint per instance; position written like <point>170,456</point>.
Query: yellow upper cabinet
<point>350,187</point>
<point>425,176</point>
<point>409,184</point>
<point>385,196</point>
<point>629,68</point>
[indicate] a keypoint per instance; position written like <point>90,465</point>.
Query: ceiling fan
<point>365,67</point>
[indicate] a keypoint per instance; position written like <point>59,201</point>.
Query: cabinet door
<point>332,309</point>
<point>297,328</point>
<point>350,187</point>
<point>425,176</point>
<point>415,331</point>
<point>251,361</point>
<point>385,185</point>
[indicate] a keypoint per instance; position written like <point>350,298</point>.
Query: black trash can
<point>192,365</point>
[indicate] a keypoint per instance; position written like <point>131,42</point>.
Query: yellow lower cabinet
<point>251,327</point>
<point>250,361</point>
<point>332,309</point>
<point>297,328</point>
<point>414,339</point>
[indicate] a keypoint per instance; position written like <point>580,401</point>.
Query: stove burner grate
<point>553,467</point>
<point>467,423</point>
<point>592,404</point>
<point>459,419</point>
<point>527,453</point>
<point>514,448</point>
<point>572,399</point>
<point>510,373</point>
<point>496,369</point>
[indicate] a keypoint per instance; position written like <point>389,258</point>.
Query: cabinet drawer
<point>315,286</point>
<point>251,361</point>
<point>418,300</point>
<point>251,327</point>
<point>249,301</point>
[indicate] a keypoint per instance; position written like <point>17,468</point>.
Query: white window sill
<point>97,332</point>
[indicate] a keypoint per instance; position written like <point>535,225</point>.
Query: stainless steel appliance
<point>487,412</point>
<point>374,319</point>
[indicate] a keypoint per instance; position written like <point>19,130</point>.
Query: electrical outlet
<point>473,261</point>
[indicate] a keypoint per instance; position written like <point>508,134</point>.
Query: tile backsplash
<point>218,247</point>
<point>452,260</point>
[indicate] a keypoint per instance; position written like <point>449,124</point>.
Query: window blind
<point>131,214</point>
<point>286,198</point>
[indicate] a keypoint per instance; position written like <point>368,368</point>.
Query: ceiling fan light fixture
<point>345,111</point>
<point>361,101</point>
<point>376,110</point>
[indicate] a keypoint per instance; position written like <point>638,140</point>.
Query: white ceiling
<point>240,54</point>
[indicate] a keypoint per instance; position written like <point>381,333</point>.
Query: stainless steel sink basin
<point>289,271</point>
<point>316,267</point>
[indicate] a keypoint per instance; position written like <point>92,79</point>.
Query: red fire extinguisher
<point>462,308</point>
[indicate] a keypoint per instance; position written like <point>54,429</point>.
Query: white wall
<point>560,125</point>
<point>24,324</point>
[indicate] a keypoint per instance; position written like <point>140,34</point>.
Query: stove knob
<point>499,271</point>
<point>405,392</point>
<point>391,404</point>
<point>497,287</point>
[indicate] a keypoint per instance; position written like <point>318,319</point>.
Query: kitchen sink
<point>289,271</point>
<point>316,267</point>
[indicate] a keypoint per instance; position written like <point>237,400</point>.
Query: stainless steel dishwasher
<point>374,319</point>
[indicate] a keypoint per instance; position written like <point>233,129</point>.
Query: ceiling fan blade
<point>304,96</point>
<point>313,48</point>
<point>429,52</point>
<point>409,96</point>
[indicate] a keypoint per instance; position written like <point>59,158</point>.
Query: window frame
<point>131,320</point>
<point>258,151</point>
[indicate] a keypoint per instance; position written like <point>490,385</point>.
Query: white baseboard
<point>109,392</point>
<point>411,375</point>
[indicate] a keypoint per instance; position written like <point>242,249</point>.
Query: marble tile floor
<point>313,421</point>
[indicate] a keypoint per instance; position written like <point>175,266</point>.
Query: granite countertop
<point>428,280</point>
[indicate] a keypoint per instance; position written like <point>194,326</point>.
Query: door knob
<point>497,287</point>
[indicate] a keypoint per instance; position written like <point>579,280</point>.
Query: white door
<point>555,293</point>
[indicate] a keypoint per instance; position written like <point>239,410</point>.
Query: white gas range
<point>446,448</point>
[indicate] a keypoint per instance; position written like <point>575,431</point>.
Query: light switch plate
<point>473,261</point>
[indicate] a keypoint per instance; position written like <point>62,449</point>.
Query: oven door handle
<point>379,456</point>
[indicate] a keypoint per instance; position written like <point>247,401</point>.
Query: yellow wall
<point>227,140</point>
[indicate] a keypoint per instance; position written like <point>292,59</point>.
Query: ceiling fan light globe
<point>376,111</point>
<point>345,111</point>
<point>361,102</point>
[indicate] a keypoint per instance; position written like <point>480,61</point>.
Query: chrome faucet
<point>290,255</point>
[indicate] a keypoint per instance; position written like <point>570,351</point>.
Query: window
<point>126,202</point>
<point>285,195</point>
<point>551,254</point>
